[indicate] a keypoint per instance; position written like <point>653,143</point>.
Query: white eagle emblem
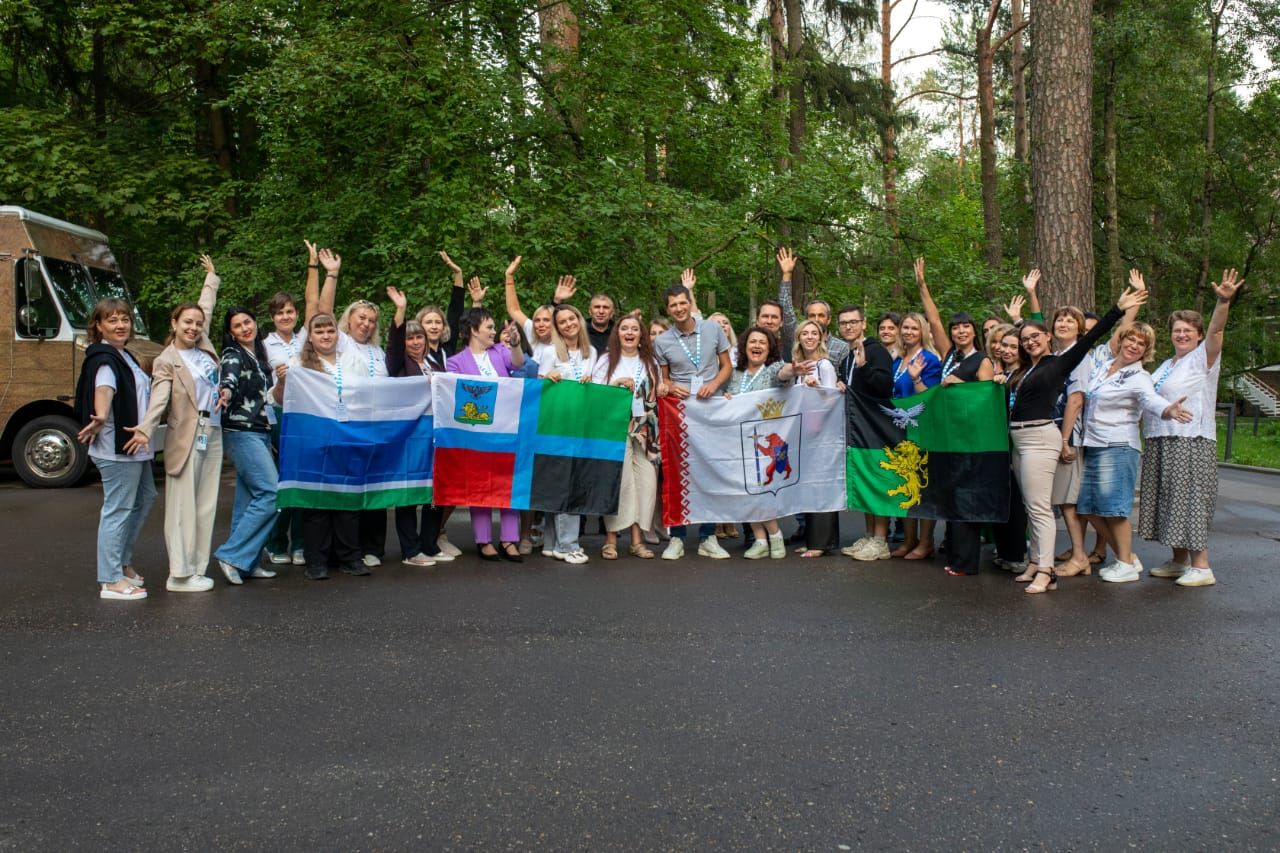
<point>902,418</point>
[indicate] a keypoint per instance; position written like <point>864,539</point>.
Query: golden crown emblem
<point>770,409</point>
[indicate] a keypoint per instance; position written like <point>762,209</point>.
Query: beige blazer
<point>173,392</point>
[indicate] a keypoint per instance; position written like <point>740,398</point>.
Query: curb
<point>1254,468</point>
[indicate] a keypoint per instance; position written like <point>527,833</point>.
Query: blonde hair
<point>926,337</point>
<point>444,320</point>
<point>582,344</point>
<point>797,351</point>
<point>1144,333</point>
<point>344,324</point>
<point>995,336</point>
<point>733,337</point>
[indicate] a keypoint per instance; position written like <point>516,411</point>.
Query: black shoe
<point>357,569</point>
<point>495,557</point>
<point>319,573</point>
<point>510,552</point>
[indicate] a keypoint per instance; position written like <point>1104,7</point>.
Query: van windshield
<point>75,289</point>
<point>110,283</point>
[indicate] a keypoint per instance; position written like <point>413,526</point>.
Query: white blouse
<point>1114,405</point>
<point>1193,378</point>
<point>628,367</point>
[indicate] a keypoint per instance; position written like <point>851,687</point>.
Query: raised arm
<point>1030,282</point>
<point>689,279</point>
<point>397,297</point>
<point>457,300</point>
<point>938,330</point>
<point>787,263</point>
<point>209,291</point>
<point>311,292</point>
<point>566,287</point>
<point>513,301</point>
<point>1215,334</point>
<point>331,262</point>
<point>1136,283</point>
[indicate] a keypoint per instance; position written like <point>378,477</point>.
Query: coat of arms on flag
<point>771,449</point>
<point>474,405</point>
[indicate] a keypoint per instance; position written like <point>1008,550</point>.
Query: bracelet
<point>332,275</point>
<point>313,266</point>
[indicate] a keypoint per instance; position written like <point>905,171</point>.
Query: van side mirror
<point>34,282</point>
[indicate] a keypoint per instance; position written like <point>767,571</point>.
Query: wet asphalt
<point>798,704</point>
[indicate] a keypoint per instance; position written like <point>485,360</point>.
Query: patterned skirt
<point>1179,491</point>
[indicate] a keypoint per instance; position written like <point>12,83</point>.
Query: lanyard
<point>368,351</point>
<point>336,373</point>
<point>952,363</point>
<point>290,345</point>
<point>207,365</point>
<point>744,385</point>
<point>425,367</point>
<point>1165,371</point>
<point>575,364</point>
<point>1013,392</point>
<point>697,347</point>
<point>640,378</point>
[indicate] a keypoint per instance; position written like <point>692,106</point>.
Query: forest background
<point>621,140</point>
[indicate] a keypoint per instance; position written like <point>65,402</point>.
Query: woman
<point>962,361</point>
<point>629,363</point>
<point>821,529</point>
<point>1037,442</point>
<point>112,393</point>
<point>657,326</point>
<point>537,329</point>
<point>1011,535</point>
<point>408,356</point>
<point>728,333</point>
<point>1180,465</point>
<point>481,355</point>
<point>916,369</point>
<point>332,535</point>
<point>283,347</point>
<point>1117,395</point>
<point>887,331</point>
<point>248,391</point>
<point>760,367</point>
<point>185,393</point>
<point>571,358</point>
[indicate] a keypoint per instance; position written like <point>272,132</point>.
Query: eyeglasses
<point>851,322</point>
<point>364,303</point>
<point>1034,336</point>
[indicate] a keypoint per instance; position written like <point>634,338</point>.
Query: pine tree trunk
<point>558,34</point>
<point>1061,149</point>
<point>1021,142</point>
<point>888,140</point>
<point>797,126</point>
<point>1206,197</point>
<point>993,252</point>
<point>1115,267</point>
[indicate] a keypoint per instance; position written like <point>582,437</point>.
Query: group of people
<point>1082,411</point>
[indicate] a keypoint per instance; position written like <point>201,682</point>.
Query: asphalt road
<point>805,704</point>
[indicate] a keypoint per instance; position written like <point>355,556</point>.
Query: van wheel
<point>47,455</point>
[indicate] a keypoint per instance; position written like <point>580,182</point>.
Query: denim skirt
<point>1110,474</point>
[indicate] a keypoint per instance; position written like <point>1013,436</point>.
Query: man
<point>694,358</point>
<point>866,370</point>
<point>820,312</point>
<point>769,316</point>
<point>600,314</point>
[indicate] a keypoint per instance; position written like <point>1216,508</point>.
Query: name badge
<point>202,434</point>
<point>340,411</point>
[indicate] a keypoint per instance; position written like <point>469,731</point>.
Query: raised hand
<point>477,292</point>
<point>454,268</point>
<point>397,297</point>
<point>1136,281</point>
<point>330,260</point>
<point>1014,308</point>
<point>207,263</point>
<point>1231,284</point>
<point>1031,280</point>
<point>919,268</point>
<point>566,287</point>
<point>311,251</point>
<point>916,366</point>
<point>511,268</point>
<point>1176,412</point>
<point>786,261</point>
<point>689,278</point>
<point>1132,298</point>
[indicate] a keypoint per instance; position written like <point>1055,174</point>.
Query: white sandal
<point>133,593</point>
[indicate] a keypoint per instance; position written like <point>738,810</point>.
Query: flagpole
<point>755,450</point>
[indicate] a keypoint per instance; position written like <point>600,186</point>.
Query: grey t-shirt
<point>696,354</point>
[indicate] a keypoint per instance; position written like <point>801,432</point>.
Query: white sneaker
<point>279,559</point>
<point>442,557</point>
<point>194,583</point>
<point>874,548</point>
<point>231,572</point>
<point>552,554</point>
<point>1196,577</point>
<point>1122,572</point>
<point>575,556</point>
<point>447,547</point>
<point>674,549</point>
<point>777,546</point>
<point>419,559</point>
<point>1169,569</point>
<point>710,547</point>
<point>299,557</point>
<point>758,549</point>
<point>259,572</point>
<point>848,551</point>
<point>371,560</point>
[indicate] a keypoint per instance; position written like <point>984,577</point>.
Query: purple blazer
<point>465,363</point>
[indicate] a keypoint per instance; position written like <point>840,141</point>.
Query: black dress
<point>963,539</point>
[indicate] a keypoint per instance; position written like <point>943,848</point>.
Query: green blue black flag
<point>942,454</point>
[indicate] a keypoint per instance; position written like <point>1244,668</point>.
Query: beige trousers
<point>1035,461</point>
<point>638,492</point>
<point>190,505</point>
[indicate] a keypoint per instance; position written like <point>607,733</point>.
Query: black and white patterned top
<point>250,386</point>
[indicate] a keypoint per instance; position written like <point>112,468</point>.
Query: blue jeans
<point>704,530</point>
<point>254,512</point>
<point>563,528</point>
<point>128,491</point>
